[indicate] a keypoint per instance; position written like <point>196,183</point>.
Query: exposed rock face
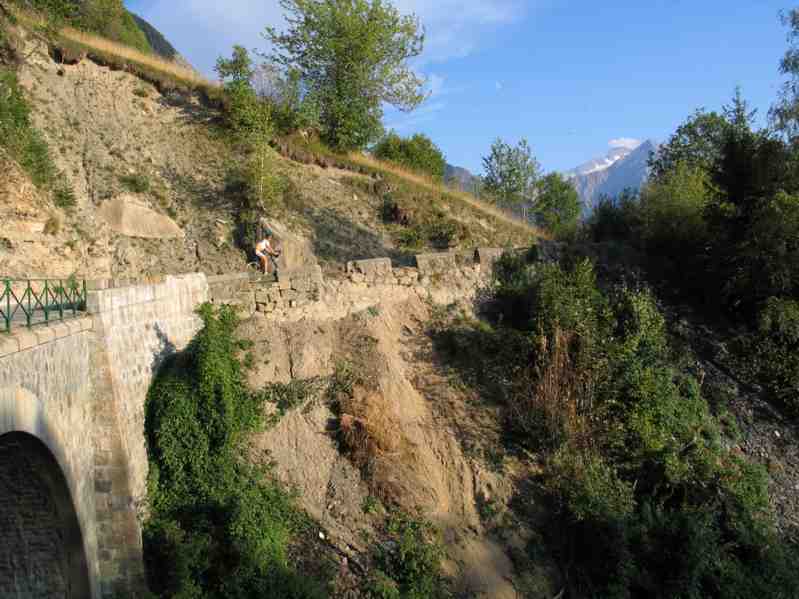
<point>627,170</point>
<point>128,216</point>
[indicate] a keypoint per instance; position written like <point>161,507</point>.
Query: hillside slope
<point>125,148</point>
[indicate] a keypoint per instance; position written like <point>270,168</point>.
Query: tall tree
<point>511,173</point>
<point>557,206</point>
<point>785,112</point>
<point>353,56</point>
<point>698,143</point>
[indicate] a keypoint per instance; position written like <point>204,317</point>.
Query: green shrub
<point>588,487</point>
<point>417,153</point>
<point>218,525</point>
<point>64,197</point>
<point>137,183</point>
<point>648,500</point>
<point>443,233</point>
<point>771,354</point>
<point>410,238</point>
<point>409,565</point>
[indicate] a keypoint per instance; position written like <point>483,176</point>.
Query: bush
<point>444,233</point>
<point>218,526</point>
<point>409,565</point>
<point>137,183</point>
<point>771,353</point>
<point>64,197</point>
<point>18,136</point>
<point>417,153</point>
<point>648,500</point>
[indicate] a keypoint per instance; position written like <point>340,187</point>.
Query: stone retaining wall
<point>135,329</point>
<point>46,392</point>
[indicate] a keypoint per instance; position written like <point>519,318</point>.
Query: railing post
<point>7,284</point>
<point>46,303</point>
<point>61,299</point>
<point>29,313</point>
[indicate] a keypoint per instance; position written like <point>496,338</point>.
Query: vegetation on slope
<point>155,39</point>
<point>718,225</point>
<point>219,526</point>
<point>417,153</point>
<point>21,141</point>
<point>647,500</point>
<point>107,18</point>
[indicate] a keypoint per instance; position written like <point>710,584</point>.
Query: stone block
<point>370,268</point>
<point>26,339</point>
<point>435,262</point>
<point>9,344</point>
<point>486,257</point>
<point>44,334</point>
<point>60,330</point>
<point>98,284</point>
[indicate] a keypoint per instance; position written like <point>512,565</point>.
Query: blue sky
<point>569,75</point>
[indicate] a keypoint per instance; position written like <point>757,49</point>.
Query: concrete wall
<point>46,392</point>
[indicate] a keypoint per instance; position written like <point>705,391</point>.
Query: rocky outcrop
<point>128,216</point>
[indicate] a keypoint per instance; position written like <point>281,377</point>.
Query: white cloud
<point>453,27</point>
<point>202,30</point>
<point>498,85</point>
<point>625,142</point>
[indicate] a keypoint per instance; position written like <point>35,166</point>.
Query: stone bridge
<point>73,461</point>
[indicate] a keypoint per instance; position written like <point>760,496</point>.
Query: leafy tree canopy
<point>352,55</point>
<point>557,207</point>
<point>511,172</point>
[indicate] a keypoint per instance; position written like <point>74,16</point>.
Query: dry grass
<point>121,53</point>
<point>367,430</point>
<point>130,54</point>
<point>432,185</point>
<point>556,407</point>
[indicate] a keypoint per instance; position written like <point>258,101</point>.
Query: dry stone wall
<point>445,277</point>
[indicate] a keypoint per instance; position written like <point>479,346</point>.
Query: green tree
<point>417,153</point>
<point>784,113</point>
<point>557,207</point>
<point>353,56</point>
<point>698,142</point>
<point>511,173</point>
<point>250,119</point>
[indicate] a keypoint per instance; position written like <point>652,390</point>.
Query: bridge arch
<point>42,551</point>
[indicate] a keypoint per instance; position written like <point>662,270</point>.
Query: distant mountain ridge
<point>159,43</point>
<point>461,178</point>
<point>620,169</point>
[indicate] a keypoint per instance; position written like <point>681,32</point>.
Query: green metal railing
<point>29,302</point>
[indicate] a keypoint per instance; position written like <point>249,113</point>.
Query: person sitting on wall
<point>267,252</point>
